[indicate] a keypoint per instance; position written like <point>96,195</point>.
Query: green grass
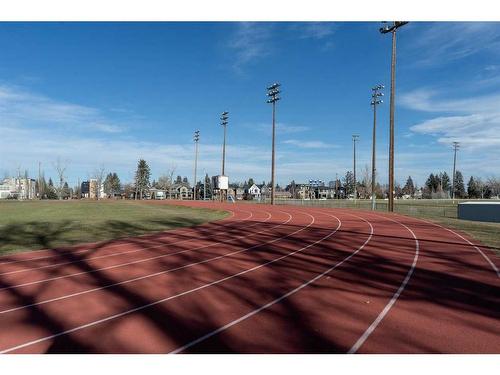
<point>42,224</point>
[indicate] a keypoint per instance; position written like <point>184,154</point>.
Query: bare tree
<point>98,175</point>
<point>60,167</point>
<point>166,181</point>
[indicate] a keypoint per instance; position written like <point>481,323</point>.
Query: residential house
<point>254,191</point>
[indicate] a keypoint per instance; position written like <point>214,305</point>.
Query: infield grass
<point>29,225</point>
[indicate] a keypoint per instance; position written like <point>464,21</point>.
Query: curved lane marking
<point>394,298</point>
<point>136,261</point>
<point>118,253</point>
<point>165,232</point>
<point>66,296</point>
<point>142,307</point>
<point>286,295</point>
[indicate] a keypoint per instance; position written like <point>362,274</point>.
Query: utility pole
<point>376,94</point>
<point>354,140</point>
<point>456,146</point>
<point>273,92</point>
<point>384,30</point>
<point>196,140</point>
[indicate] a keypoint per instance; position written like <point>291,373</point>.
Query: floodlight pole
<point>384,30</point>
<point>224,117</point>
<point>354,139</point>
<point>273,92</point>
<point>375,101</point>
<point>196,140</point>
<point>456,146</point>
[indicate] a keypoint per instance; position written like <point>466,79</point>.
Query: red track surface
<point>268,279</point>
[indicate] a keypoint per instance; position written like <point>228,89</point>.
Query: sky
<point>107,94</point>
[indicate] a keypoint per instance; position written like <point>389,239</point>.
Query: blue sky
<point>108,94</point>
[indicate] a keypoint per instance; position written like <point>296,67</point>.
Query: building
<point>18,188</point>
<point>254,191</point>
<point>182,190</point>
<point>85,189</point>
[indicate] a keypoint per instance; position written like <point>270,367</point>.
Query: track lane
<point>163,238</point>
<point>337,309</point>
<point>451,305</point>
<point>140,254</point>
<point>314,320</point>
<point>106,298</point>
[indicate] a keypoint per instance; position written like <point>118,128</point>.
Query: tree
<point>112,184</point>
<point>349,183</point>
<point>208,187</point>
<point>98,175</point>
<point>473,188</point>
<point>142,176</point>
<point>60,167</point>
<point>250,182</point>
<point>409,187</point>
<point>185,180</point>
<point>459,185</point>
<point>445,182</point>
<point>178,180</point>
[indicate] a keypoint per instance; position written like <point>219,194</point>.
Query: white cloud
<point>308,144</point>
<point>473,121</point>
<point>21,107</point>
<point>250,43</point>
<point>316,30</point>
<point>443,42</point>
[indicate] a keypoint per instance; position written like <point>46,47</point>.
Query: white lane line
<point>141,260</point>
<point>66,296</point>
<point>286,295</point>
<point>394,298</point>
<point>90,324</point>
<point>117,253</point>
<point>163,233</point>
<point>495,268</point>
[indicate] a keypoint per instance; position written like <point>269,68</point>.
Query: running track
<point>267,279</point>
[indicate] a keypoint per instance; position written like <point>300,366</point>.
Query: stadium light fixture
<point>376,94</point>
<point>272,92</point>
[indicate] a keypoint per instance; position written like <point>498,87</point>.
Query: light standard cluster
<point>196,139</point>
<point>376,95</point>
<point>392,28</point>
<point>272,93</point>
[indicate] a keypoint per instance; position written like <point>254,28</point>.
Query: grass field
<point>42,224</point>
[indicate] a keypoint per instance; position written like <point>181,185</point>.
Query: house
<point>182,190</point>
<point>240,193</point>
<point>254,191</point>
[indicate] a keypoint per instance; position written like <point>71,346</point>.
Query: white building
<point>17,188</point>
<point>254,191</point>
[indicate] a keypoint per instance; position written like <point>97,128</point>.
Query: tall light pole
<point>223,121</point>
<point>384,30</point>
<point>273,92</point>
<point>456,146</point>
<point>196,139</point>
<point>376,94</point>
<point>354,140</point>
